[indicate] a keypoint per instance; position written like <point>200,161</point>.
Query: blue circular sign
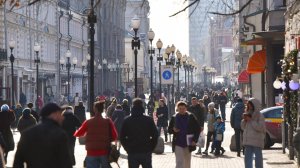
<point>167,74</point>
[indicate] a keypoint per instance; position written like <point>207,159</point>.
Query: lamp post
<point>184,58</point>
<point>92,19</point>
<point>104,82</point>
<point>117,68</point>
<point>159,45</point>
<point>151,36</point>
<point>135,45</point>
<point>37,49</point>
<point>178,63</point>
<point>83,66</point>
<point>68,68</point>
<point>204,70</point>
<point>12,45</point>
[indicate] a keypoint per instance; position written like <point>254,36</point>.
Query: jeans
<point>165,131</point>
<point>249,152</point>
<point>97,162</point>
<point>223,109</point>
<point>137,159</point>
<point>237,133</point>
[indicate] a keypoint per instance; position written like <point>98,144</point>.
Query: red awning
<point>243,77</point>
<point>257,62</point>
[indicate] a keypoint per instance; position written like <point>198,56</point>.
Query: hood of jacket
<point>239,105</point>
<point>256,104</point>
<point>137,111</point>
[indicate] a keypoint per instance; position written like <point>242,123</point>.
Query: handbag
<point>201,140</point>
<point>114,154</point>
<point>219,137</point>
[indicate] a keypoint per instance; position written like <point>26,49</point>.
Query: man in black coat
<point>198,112</point>
<point>45,145</point>
<point>139,136</point>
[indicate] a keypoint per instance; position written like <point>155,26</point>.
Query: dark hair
<point>30,105</point>
<point>99,107</point>
<point>194,98</point>
<point>249,102</point>
<point>49,109</point>
<point>181,103</point>
<point>240,100</point>
<point>138,102</point>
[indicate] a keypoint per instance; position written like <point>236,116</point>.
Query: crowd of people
<point>49,135</point>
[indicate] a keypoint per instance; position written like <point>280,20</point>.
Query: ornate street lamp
<point>135,45</point>
<point>178,63</point>
<point>184,59</point>
<point>151,36</point>
<point>12,45</point>
<point>68,65</point>
<point>159,45</point>
<point>37,49</point>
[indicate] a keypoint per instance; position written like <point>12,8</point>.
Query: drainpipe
<point>61,14</point>
<point>82,54</point>
<point>254,49</point>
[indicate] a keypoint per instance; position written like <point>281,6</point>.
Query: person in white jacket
<point>253,125</point>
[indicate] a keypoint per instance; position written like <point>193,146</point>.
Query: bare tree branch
<point>191,4</point>
<point>194,8</point>
<point>233,13</point>
<point>33,2</point>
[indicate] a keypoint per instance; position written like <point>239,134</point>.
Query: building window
<point>220,40</point>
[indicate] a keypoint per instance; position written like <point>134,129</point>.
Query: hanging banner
<point>166,75</point>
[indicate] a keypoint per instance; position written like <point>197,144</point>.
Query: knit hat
<point>49,109</point>
<point>4,108</point>
<point>26,111</point>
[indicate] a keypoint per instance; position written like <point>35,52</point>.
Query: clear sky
<point>171,30</point>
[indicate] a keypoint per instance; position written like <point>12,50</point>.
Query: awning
<point>257,62</point>
<point>243,77</point>
<point>254,41</point>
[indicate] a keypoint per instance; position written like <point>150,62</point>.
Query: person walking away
<point>39,103</point>
<point>118,119</point>
<point>23,99</point>
<point>33,112</point>
<point>162,118</point>
<point>253,125</point>
<point>111,108</point>
<point>235,122</point>
<point>219,127</point>
<point>7,117</point>
<point>211,118</point>
<point>216,100</point>
<point>99,132</point>
<point>206,100</point>
<point>46,144</point>
<point>76,99</point>
<point>198,112</point>
<point>26,121</point>
<point>70,124</point>
<point>223,101</point>
<point>18,114</point>
<point>183,126</point>
<point>126,107</point>
<point>79,112</point>
<point>139,136</point>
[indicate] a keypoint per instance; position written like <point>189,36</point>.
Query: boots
<point>166,138</point>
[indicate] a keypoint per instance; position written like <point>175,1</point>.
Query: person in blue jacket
<point>219,126</point>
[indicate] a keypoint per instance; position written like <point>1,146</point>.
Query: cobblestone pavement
<point>273,158</point>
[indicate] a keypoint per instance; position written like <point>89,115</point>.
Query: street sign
<point>166,75</point>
